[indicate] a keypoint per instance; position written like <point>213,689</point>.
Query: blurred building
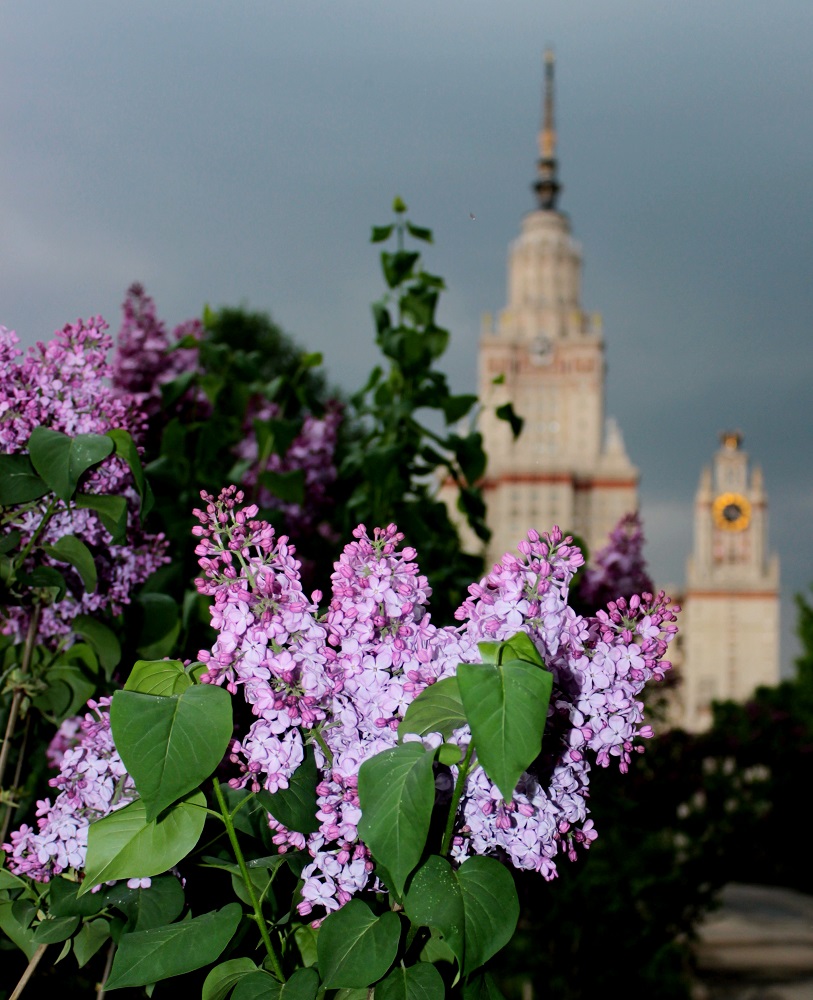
<point>545,355</point>
<point>730,620</point>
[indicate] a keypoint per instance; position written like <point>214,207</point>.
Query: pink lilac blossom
<point>64,385</point>
<point>376,649</point>
<point>312,451</point>
<point>143,360</point>
<point>619,569</point>
<point>92,782</point>
<point>342,681</point>
<point>66,737</point>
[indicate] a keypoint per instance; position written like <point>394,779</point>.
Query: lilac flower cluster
<point>619,569</point>
<point>344,681</point>
<point>92,782</point>
<point>143,360</point>
<point>312,451</point>
<point>63,385</point>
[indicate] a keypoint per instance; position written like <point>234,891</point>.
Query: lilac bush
<point>64,385</point>
<point>343,680</point>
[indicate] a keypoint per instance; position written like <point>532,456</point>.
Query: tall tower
<point>731,607</point>
<point>545,355</point>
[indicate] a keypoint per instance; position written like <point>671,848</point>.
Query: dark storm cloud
<point>238,154</point>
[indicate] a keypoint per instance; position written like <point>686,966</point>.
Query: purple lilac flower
<point>65,738</point>
<point>143,360</point>
<point>344,680</point>
<point>63,385</point>
<point>312,451</point>
<point>92,782</point>
<point>619,569</point>
<point>376,649</point>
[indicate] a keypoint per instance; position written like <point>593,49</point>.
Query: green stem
<point>324,747</point>
<point>46,517</point>
<point>460,784</point>
<point>16,701</point>
<point>252,895</point>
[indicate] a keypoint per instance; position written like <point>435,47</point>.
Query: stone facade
<point>730,619</point>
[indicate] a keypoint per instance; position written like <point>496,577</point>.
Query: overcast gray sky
<point>237,154</point>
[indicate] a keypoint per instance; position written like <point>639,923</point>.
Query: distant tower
<point>546,356</point>
<point>730,619</point>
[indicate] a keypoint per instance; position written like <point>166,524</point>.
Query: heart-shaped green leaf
<point>61,460</point>
<point>396,793</point>
<point>19,483</point>
<point>72,550</point>
<point>435,900</point>
<point>437,709</point>
<point>506,705</point>
<point>171,744</point>
<point>158,677</point>
<point>125,845</point>
<point>355,947</point>
<point>145,957</point>
<point>412,982</point>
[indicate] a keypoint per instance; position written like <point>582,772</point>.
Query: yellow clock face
<point>731,512</point>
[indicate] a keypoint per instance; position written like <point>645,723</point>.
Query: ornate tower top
<point>546,185</point>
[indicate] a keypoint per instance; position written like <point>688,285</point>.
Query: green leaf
<point>259,985</point>
<point>396,793</point>
<point>69,687</point>
<point>398,205</point>
<point>302,985</point>
<point>127,451</point>
<point>61,460</point>
<point>356,947</point>
<point>475,908</point>
<point>16,929</point>
<point>437,709</point>
<point>72,550</point>
<point>482,987</point>
<point>491,908</point>
<point>506,412</point>
<point>64,902</point>
<point>89,939</point>
<point>306,938</point>
<point>55,929</point>
<point>435,900</point>
<point>46,578</point>
<point>19,483</point>
<point>397,266</point>
<point>161,627</point>
<point>521,647</point>
<point>419,232</point>
<point>171,744</point>
<point>148,908</point>
<point>295,806</point>
<point>224,977</point>
<point>145,957</point>
<point>101,638</point>
<point>10,541</point>
<point>124,845</point>
<point>286,486</point>
<point>158,677</point>
<point>506,705</point>
<point>470,456</point>
<point>456,407</point>
<point>112,513</point>
<point>381,233</point>
<point>412,982</point>
<point>9,881</point>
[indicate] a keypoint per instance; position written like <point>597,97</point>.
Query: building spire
<point>546,185</point>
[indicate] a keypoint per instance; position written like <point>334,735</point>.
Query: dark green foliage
<point>394,460</point>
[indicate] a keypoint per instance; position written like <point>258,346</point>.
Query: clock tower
<point>545,355</point>
<point>730,620</point>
